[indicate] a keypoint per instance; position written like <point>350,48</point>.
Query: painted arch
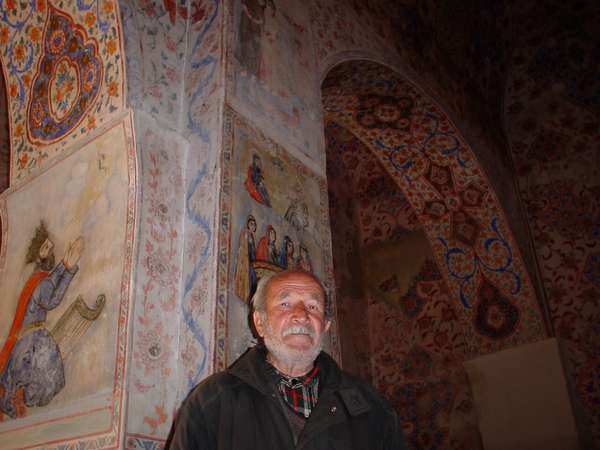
<point>428,158</point>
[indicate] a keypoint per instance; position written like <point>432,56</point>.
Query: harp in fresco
<point>74,323</point>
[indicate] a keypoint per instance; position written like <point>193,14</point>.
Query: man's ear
<point>259,326</point>
<point>327,325</point>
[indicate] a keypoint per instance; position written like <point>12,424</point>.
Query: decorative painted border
<point>3,232</point>
<point>231,120</point>
<point>113,437</point>
<point>139,441</point>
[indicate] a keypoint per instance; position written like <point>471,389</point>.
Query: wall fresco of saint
<point>272,75</point>
<point>65,275</point>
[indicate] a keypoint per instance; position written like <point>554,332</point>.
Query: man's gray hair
<point>259,299</point>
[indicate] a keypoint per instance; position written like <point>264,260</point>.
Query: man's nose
<point>299,312</point>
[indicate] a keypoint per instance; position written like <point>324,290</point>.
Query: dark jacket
<point>239,409</point>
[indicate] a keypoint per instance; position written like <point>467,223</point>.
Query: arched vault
<point>428,158</point>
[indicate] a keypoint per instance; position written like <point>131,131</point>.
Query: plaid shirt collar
<point>301,394</point>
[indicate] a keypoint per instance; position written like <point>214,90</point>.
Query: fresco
<point>159,36</point>
<point>179,130</point>
<point>552,120</point>
<point>274,216</point>
<point>426,156</point>
<point>65,274</point>
<point>340,26</point>
<point>153,380</point>
<point>203,120</point>
<point>271,73</point>
<point>64,73</point>
<point>413,343</point>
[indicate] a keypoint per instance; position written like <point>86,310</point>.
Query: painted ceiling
<point>526,73</point>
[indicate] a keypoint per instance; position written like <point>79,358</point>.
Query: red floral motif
<point>464,228</point>
<point>153,350</point>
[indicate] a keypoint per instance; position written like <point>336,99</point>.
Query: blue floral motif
<point>18,25</point>
<point>477,263</point>
<point>192,324</point>
<point>83,6</point>
<point>209,64</point>
<point>397,155</point>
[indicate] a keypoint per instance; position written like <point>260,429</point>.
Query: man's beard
<point>47,264</point>
<point>285,354</point>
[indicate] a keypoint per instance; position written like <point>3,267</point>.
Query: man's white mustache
<point>299,329</point>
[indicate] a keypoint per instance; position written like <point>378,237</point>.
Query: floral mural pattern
<point>58,93</point>
<point>341,26</point>
<point>173,79</point>
<point>451,197</point>
<point>158,285</point>
<point>413,346</point>
<point>67,82</point>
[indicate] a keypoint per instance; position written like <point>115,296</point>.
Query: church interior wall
<point>196,88</point>
<point>552,121</point>
<point>174,70</point>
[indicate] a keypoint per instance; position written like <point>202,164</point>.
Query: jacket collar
<point>251,368</point>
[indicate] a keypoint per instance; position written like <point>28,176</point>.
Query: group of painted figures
<point>268,256</point>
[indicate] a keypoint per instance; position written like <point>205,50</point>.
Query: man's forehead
<point>295,282</point>
<point>314,294</point>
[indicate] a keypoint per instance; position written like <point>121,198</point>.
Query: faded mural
<point>65,284</point>
<point>276,218</point>
<point>272,75</point>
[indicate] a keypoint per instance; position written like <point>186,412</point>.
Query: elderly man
<point>286,393</point>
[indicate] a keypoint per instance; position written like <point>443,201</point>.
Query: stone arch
<point>428,158</point>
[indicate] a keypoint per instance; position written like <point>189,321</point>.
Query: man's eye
<point>284,304</point>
